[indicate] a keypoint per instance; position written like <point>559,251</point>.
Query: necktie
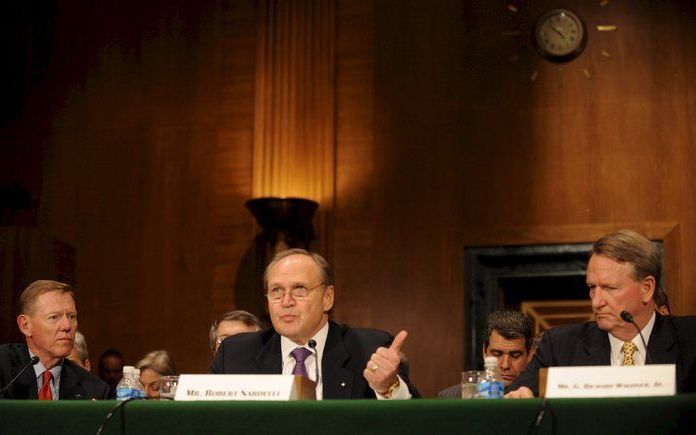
<point>300,354</point>
<point>628,349</point>
<point>45,391</point>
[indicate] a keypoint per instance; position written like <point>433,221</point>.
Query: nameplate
<point>611,381</point>
<point>244,387</point>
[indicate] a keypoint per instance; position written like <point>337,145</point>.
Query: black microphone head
<point>626,316</point>
<point>312,344</point>
<point>34,360</point>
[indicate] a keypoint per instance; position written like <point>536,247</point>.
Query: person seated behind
<point>231,323</point>
<point>509,338</point>
<point>48,320</point>
<point>662,302</point>
<point>111,369</point>
<point>623,273</point>
<point>352,363</point>
<point>152,367</point>
<point>79,354</point>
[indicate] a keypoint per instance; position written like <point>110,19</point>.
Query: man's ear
<point>328,298</point>
<point>485,349</point>
<point>648,289</point>
<point>24,324</point>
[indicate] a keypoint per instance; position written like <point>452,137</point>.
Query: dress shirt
<point>55,382</point>
<point>287,346</point>
<point>639,356</point>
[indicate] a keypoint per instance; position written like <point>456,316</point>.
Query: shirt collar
<point>39,368</point>
<point>287,345</point>
<point>617,343</point>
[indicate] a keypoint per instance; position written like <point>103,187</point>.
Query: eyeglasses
<point>299,293</point>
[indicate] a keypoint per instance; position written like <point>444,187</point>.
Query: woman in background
<point>152,367</point>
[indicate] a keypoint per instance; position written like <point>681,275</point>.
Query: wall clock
<point>559,35</point>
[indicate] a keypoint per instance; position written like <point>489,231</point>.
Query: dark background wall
<point>131,125</point>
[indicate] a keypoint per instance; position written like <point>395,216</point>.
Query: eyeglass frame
<point>296,298</point>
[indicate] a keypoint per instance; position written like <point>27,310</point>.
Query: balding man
<point>354,363</point>
<point>623,274</point>
<point>48,320</point>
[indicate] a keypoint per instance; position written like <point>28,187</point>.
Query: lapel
<point>661,344</point>
<point>26,386</point>
<point>269,359</point>
<point>337,380</point>
<point>70,387</point>
<point>597,347</point>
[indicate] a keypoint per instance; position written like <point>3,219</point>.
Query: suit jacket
<point>75,382</point>
<point>671,342</point>
<point>346,353</point>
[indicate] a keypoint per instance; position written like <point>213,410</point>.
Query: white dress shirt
<point>287,346</point>
<point>639,355</point>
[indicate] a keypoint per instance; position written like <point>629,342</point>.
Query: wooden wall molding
<point>666,231</point>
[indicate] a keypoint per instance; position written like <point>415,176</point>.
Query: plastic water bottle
<point>491,386</point>
<point>129,386</point>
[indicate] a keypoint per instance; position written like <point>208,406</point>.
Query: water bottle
<point>491,386</point>
<point>129,386</point>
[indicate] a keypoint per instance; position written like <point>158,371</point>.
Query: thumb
<point>398,341</point>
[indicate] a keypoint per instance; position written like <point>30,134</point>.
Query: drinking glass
<point>470,380</point>
<point>168,386</point>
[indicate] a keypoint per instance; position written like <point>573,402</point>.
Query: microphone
<point>313,345</point>
<point>628,317</point>
<point>34,360</point>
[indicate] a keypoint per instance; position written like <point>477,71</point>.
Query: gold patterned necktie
<point>628,349</point>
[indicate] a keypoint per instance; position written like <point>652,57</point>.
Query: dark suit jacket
<point>346,353</point>
<point>75,382</point>
<point>671,342</point>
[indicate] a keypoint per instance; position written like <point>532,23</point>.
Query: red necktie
<point>45,391</point>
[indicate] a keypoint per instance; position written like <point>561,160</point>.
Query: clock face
<point>559,35</point>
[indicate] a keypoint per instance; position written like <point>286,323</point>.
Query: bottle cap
<point>490,361</point>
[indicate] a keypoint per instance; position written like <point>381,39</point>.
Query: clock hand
<point>557,31</point>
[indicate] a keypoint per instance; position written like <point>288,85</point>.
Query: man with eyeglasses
<point>352,363</point>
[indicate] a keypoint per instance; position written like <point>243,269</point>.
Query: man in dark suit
<point>48,320</point>
<point>510,339</point>
<point>622,275</point>
<point>353,363</point>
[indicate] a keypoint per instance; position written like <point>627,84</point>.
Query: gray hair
<point>234,316</point>
<point>159,361</point>
<point>324,268</point>
<point>81,346</point>
<point>511,325</point>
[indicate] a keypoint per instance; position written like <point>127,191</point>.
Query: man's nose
<point>597,298</point>
<point>65,323</point>
<point>504,362</point>
<point>287,300</point>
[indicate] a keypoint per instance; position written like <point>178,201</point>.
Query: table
<point>582,416</point>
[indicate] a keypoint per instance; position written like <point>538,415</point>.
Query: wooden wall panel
<point>462,142</point>
<point>440,139</point>
<point>147,172</point>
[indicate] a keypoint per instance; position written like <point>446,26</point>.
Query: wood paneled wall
<point>440,141</point>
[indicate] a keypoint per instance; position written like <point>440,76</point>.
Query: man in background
<point>231,323</point>
<point>111,369</point>
<point>509,338</point>
<point>79,354</point>
<point>623,273</point>
<point>48,320</point>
